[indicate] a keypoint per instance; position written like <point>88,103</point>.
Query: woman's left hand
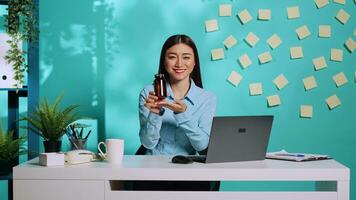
<point>178,106</point>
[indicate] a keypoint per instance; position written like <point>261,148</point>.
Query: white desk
<point>98,180</point>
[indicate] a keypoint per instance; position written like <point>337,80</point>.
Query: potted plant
<point>10,149</point>
<point>50,122</point>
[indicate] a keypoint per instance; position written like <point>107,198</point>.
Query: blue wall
<point>102,53</point>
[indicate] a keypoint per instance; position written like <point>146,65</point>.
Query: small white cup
<point>114,150</point>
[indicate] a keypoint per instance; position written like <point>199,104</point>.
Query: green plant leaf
<point>11,148</point>
<point>50,121</point>
<point>20,23</point>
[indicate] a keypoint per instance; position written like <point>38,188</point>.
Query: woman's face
<point>179,62</point>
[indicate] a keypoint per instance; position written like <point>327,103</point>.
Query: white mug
<point>114,150</point>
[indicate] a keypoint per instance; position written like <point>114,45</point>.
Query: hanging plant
<point>15,57</point>
<point>21,26</point>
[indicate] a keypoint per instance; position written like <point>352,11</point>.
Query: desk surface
<point>161,168</point>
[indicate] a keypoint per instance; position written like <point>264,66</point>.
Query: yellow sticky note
<point>211,25</point>
<point>234,78</point>
<point>252,39</point>
<point>244,16</point>
<point>265,57</point>
<point>217,54</point>
<point>293,12</point>
<point>342,16</point>
<point>340,79</point>
<point>319,63</point>
<point>245,61</point>
<point>302,32</point>
<point>336,55</point>
<point>230,42</point>
<point>296,52</point>
<point>340,2</point>
<point>309,83</point>
<point>324,31</point>
<point>274,41</point>
<point>264,14</point>
<point>333,101</point>
<point>273,100</point>
<point>225,10</point>
<point>306,111</point>
<point>321,3</point>
<point>350,45</point>
<point>280,81</point>
<point>255,89</point>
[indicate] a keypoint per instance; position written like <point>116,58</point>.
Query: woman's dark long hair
<point>181,39</point>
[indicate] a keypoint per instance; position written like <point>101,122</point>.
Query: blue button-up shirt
<point>183,133</point>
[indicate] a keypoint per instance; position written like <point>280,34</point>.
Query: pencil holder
<point>78,144</point>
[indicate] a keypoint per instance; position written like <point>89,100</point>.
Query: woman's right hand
<point>151,103</point>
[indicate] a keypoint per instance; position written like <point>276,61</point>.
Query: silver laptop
<point>239,138</point>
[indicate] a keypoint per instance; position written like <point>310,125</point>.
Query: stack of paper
<point>284,155</point>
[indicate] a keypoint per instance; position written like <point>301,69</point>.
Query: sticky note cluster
<point>303,30</point>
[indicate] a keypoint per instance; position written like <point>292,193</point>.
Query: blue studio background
<point>101,53</point>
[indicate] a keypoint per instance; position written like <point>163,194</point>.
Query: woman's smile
<point>179,71</point>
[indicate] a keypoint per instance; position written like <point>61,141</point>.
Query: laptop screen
<point>239,138</point>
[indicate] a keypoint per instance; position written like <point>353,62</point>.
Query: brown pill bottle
<point>159,85</point>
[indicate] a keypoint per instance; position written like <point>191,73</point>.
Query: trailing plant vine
<point>21,26</point>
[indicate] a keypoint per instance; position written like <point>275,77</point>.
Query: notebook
<point>298,157</point>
